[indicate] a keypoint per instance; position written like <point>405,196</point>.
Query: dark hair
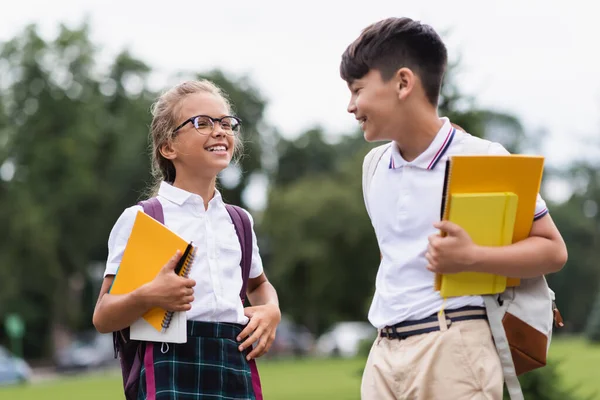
<point>394,43</point>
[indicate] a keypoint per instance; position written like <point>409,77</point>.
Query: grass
<point>94,387</point>
<point>577,362</point>
<point>312,379</point>
<point>285,380</point>
<point>309,378</point>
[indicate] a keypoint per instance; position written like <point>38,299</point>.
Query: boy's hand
<point>452,253</point>
<point>262,326</point>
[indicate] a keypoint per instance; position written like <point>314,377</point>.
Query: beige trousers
<point>457,363</point>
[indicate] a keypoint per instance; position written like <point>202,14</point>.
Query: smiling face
<point>194,149</point>
<point>378,105</point>
<point>390,59</point>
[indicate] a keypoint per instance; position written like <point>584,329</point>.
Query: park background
<point>76,83</point>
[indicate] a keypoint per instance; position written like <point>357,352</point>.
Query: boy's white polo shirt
<point>404,202</point>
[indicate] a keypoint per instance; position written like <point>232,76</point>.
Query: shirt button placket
<point>212,262</point>
<point>402,196</point>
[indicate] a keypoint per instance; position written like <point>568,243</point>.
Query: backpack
<point>131,352</point>
<point>521,318</point>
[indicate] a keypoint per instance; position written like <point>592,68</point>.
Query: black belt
<point>406,329</point>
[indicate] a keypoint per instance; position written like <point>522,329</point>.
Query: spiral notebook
<point>150,246</point>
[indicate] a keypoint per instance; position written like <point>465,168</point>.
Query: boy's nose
<point>351,107</point>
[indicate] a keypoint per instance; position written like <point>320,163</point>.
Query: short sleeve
<point>117,240</point>
<point>256,269</point>
<point>540,205</point>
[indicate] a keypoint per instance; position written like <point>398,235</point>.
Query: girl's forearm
<point>116,312</point>
<point>264,293</point>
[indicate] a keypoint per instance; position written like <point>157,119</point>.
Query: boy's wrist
<point>476,258</point>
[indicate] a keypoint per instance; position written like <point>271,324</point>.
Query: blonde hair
<point>165,116</point>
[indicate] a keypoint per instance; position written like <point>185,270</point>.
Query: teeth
<point>217,148</point>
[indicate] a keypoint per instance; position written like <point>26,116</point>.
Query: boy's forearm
<point>116,312</point>
<point>534,256</point>
<point>264,293</point>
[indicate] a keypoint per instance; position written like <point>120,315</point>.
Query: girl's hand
<point>170,291</point>
<point>262,326</point>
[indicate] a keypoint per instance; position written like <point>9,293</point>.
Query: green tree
<point>576,285</point>
<point>324,254</point>
<point>308,155</point>
<point>490,124</point>
<point>76,142</point>
<point>592,329</point>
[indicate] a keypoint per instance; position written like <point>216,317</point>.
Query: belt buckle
<point>391,331</point>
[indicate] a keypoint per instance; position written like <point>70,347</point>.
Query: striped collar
<point>430,157</point>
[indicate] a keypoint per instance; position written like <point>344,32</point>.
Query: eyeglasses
<point>205,125</point>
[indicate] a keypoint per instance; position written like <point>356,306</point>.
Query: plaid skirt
<point>208,366</point>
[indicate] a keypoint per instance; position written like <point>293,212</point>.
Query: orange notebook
<point>150,246</point>
<point>519,174</point>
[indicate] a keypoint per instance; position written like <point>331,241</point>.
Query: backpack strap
<point>243,229</point>
<point>370,164</point>
<point>495,313</point>
<point>153,208</point>
<point>476,145</point>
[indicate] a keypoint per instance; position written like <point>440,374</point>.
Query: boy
<point>394,71</point>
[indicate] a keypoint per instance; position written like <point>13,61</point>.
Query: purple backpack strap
<point>153,208</point>
<point>243,229</point>
<point>132,352</point>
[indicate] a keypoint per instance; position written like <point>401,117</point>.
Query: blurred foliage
<point>77,150</point>
<point>546,384</point>
<point>592,329</point>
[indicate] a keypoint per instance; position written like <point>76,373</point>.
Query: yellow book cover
<point>518,174</point>
<point>150,246</point>
<point>489,219</point>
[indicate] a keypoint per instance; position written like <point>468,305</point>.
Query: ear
<point>405,82</point>
<point>168,151</point>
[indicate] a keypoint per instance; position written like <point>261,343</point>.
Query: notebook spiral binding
<point>184,272</point>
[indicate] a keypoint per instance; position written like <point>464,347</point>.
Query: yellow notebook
<point>518,174</point>
<point>150,246</point>
<point>489,219</point>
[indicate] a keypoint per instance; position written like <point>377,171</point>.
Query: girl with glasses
<point>194,137</point>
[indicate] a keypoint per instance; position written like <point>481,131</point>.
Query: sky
<point>534,59</point>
